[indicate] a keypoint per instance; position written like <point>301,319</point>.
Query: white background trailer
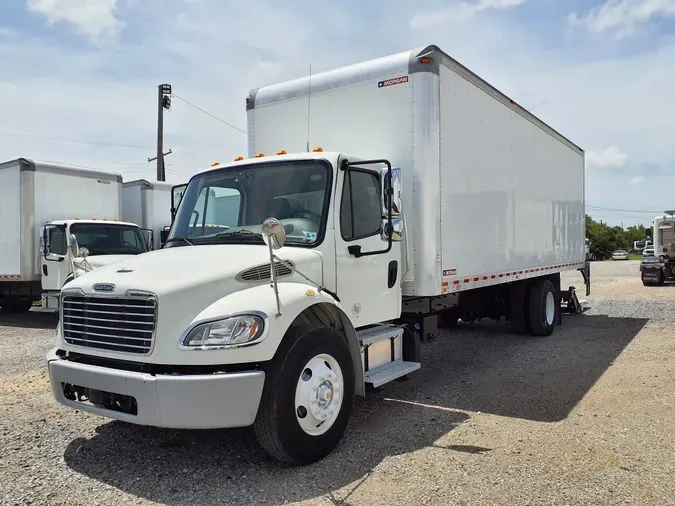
<point>491,193</point>
<point>34,193</point>
<point>148,204</point>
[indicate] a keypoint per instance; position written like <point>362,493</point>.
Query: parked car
<point>620,255</point>
<point>648,252</point>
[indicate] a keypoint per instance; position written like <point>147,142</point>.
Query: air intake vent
<point>262,272</point>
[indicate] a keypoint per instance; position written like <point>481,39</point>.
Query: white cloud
<point>94,18</point>
<point>460,12</point>
<point>623,16</point>
<point>213,52</point>
<point>637,180</point>
<point>610,158</point>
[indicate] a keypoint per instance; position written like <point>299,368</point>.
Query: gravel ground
<point>584,417</point>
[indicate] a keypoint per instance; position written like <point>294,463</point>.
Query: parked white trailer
<point>148,204</point>
<point>295,279</point>
<point>663,233</point>
<point>42,205</point>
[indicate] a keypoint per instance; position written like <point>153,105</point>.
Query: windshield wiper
<point>238,233</point>
<point>179,238</point>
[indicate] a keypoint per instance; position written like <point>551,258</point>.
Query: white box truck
<point>47,210</point>
<point>148,204</point>
<point>296,277</point>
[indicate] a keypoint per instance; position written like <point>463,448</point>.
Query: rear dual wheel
<point>533,307</point>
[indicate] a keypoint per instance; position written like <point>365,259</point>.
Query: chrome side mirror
<point>396,232</point>
<point>395,184</point>
<point>273,233</point>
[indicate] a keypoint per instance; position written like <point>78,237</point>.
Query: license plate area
<point>101,399</point>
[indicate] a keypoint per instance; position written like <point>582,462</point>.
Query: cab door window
<point>360,214</point>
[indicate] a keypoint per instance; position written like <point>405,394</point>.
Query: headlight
<point>228,331</point>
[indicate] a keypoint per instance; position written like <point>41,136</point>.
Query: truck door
<point>368,286</point>
<point>55,265</point>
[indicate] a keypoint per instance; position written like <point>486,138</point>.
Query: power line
<point>209,114</point>
<point>598,208</point>
<point>56,139</point>
<point>96,143</point>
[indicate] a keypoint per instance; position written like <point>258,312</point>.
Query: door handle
<point>355,250</point>
<point>392,273</point>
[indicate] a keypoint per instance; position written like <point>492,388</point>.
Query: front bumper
<point>200,401</point>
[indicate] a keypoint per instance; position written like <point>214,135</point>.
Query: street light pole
<point>163,102</point>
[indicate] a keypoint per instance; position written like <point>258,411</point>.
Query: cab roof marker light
<point>282,152</point>
<point>259,155</point>
<point>318,149</point>
<point>239,159</point>
<point>215,164</point>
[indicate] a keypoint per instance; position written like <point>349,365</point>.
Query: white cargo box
<point>34,193</point>
<point>148,205</point>
<point>491,193</point>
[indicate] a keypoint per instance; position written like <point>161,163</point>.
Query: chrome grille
<point>108,323</point>
<point>263,272</point>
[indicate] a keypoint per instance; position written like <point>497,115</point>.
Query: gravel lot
<point>584,417</point>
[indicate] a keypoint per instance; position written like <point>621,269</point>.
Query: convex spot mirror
<point>273,233</point>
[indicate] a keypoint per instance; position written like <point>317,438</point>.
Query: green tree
<point>605,239</point>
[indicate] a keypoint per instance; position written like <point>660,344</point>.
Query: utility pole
<point>163,102</point>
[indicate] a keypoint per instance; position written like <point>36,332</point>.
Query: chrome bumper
<point>201,401</point>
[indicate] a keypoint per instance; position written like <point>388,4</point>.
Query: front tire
<point>543,307</point>
<point>307,399</point>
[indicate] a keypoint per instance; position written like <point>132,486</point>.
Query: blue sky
<point>600,71</point>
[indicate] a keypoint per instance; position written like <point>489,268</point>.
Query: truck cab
<point>224,328</point>
<point>70,248</point>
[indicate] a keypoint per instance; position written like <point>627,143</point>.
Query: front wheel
<point>307,399</point>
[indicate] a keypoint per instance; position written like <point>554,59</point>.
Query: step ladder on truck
<point>293,279</point>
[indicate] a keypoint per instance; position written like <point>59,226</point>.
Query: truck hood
<point>186,281</point>
<point>99,260</point>
<point>210,269</point>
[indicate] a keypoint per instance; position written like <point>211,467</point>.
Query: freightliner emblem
<point>104,287</point>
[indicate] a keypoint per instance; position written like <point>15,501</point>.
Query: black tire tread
<point>17,306</point>
<point>266,425</point>
<point>519,308</point>
<point>538,291</point>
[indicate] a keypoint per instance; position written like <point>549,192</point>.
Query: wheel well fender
<point>331,315</point>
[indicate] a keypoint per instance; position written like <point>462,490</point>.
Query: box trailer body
<point>148,204</point>
<point>379,201</point>
<point>492,193</point>
<point>663,233</point>
<point>35,195</point>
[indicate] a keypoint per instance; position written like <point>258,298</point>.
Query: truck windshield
<point>108,239</point>
<point>229,205</point>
